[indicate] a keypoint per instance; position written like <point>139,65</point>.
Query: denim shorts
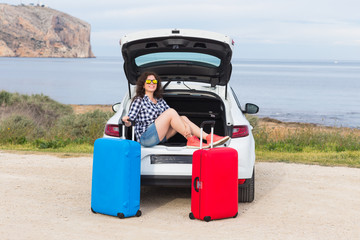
<point>150,137</point>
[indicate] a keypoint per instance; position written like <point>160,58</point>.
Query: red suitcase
<point>214,193</point>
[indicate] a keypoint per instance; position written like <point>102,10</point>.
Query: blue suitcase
<point>116,177</point>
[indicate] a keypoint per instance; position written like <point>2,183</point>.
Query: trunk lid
<point>178,55</point>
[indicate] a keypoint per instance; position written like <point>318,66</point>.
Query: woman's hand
<point>125,119</point>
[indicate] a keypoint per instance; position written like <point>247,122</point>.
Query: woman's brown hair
<point>140,91</point>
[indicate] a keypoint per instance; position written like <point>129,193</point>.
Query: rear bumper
<point>173,181</point>
<point>166,181</point>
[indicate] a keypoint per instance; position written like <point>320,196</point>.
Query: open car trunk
<point>197,108</point>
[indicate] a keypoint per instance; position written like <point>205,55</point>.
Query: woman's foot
<point>218,140</point>
<point>194,142</point>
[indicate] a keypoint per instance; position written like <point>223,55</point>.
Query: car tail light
<point>240,131</point>
<point>241,181</point>
<point>112,130</point>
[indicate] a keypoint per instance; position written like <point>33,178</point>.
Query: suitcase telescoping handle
<point>132,132</point>
<point>212,124</point>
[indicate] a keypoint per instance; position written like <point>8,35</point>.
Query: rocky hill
<point>38,31</point>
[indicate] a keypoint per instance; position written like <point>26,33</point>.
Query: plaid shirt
<point>144,112</point>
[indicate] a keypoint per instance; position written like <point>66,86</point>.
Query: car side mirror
<point>251,108</point>
<point>116,107</point>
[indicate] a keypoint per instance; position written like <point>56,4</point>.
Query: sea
<point>325,92</point>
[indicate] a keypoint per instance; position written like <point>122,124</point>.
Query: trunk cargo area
<point>197,108</point>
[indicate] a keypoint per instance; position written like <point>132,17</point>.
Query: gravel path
<point>47,197</point>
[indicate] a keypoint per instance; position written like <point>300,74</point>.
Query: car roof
<point>178,42</point>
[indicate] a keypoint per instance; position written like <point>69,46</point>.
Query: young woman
<point>156,122</point>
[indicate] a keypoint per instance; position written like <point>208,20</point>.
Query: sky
<point>272,29</point>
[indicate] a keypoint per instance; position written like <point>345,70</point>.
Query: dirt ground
<point>48,197</point>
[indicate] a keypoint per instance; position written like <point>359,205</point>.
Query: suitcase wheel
<point>191,216</point>
<point>235,215</point>
<point>207,219</point>
<point>93,210</point>
<point>121,215</point>
<point>138,213</point>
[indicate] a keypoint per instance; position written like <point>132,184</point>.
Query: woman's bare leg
<point>170,121</point>
<point>195,130</point>
<point>171,132</point>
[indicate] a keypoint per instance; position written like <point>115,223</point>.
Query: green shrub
<point>18,129</point>
<point>93,124</point>
<point>85,127</point>
<point>42,109</point>
<point>53,143</point>
<point>4,98</point>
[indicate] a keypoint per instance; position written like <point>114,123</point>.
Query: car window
<point>177,56</point>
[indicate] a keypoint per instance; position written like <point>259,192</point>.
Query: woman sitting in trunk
<point>156,122</point>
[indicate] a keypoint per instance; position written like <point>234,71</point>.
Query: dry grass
<point>80,109</point>
<point>306,143</point>
<point>280,130</point>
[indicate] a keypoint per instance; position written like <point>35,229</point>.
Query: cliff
<point>35,31</point>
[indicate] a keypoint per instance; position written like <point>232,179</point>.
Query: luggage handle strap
<point>212,124</point>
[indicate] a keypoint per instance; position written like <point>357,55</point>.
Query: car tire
<point>247,190</point>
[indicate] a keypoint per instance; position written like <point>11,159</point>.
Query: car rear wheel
<point>247,190</point>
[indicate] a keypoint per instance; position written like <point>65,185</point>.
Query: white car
<point>195,68</point>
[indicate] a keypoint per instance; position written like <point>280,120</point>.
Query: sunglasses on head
<point>148,81</point>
